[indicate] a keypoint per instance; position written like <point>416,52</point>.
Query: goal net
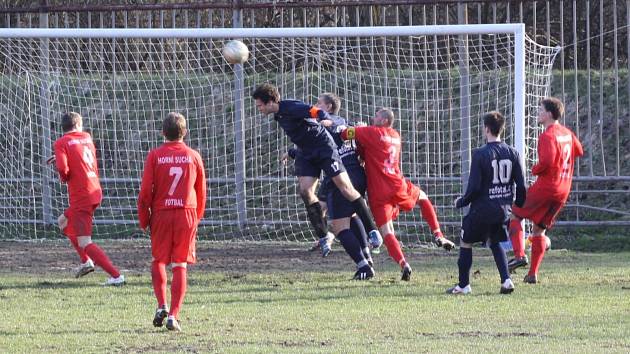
<point>123,82</point>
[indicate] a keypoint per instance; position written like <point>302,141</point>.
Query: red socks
<point>100,259</point>
<point>80,251</point>
<point>428,213</point>
<point>516,236</point>
<point>178,290</point>
<point>393,248</point>
<point>158,278</point>
<point>538,253</point>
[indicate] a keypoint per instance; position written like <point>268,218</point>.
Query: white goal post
<point>438,79</point>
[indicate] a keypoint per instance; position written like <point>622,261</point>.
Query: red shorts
<point>541,207</point>
<point>79,221</point>
<point>173,235</point>
<point>386,208</point>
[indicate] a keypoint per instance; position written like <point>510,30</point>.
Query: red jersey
<point>75,159</point>
<point>173,178</point>
<point>382,157</point>
<point>557,149</point>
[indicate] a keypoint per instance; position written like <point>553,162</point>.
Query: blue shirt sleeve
<point>474,182</point>
<point>300,110</point>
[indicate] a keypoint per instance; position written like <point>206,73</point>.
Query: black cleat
<point>507,287</point>
<point>406,273</point>
<point>516,263</point>
<point>530,279</point>
<point>364,273</point>
<point>160,314</point>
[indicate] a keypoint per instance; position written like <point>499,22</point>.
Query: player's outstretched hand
<point>444,243</point>
<point>50,160</point>
<point>326,122</point>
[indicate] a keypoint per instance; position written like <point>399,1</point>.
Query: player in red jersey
<point>172,201</point>
<point>75,159</point>
<point>388,190</point>
<point>558,148</point>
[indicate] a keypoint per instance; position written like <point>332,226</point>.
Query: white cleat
<point>115,281</point>
<point>84,269</point>
<point>456,290</point>
<point>507,287</point>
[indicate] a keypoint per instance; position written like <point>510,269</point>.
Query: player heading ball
<point>319,152</point>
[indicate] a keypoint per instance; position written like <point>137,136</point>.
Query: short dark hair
<point>266,92</point>
<point>69,121</point>
<point>333,100</point>
<point>553,106</point>
<point>174,126</point>
<point>495,122</point>
<point>387,113</point>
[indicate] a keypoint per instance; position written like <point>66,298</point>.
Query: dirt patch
<point>57,256</point>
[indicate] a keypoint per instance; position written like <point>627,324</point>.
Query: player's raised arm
<point>200,189</point>
<point>519,178</point>
<point>145,198</point>
<point>474,182</point>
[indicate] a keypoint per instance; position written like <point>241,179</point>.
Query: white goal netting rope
<point>124,88</point>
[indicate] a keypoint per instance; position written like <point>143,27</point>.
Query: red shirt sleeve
<point>61,161</point>
<point>200,188</point>
<point>546,155</point>
<point>354,133</point>
<point>578,151</point>
<point>145,198</point>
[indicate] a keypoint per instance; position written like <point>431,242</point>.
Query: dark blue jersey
<point>346,149</point>
<point>494,171</point>
<point>297,119</point>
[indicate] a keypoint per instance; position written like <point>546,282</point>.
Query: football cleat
<point>160,314</point>
<point>115,281</point>
<point>172,324</point>
<point>456,290</point>
<point>507,287</point>
<point>516,263</point>
<point>530,279</point>
<point>375,239</point>
<point>364,273</point>
<point>325,244</point>
<point>444,243</point>
<point>406,273</point>
<point>84,269</point>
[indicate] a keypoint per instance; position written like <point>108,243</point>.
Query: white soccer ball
<point>235,52</point>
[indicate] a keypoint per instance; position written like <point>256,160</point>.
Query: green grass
<point>581,305</point>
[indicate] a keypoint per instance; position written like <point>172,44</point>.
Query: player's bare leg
<point>343,183</point>
<point>539,245</point>
<point>464,263</point>
<point>394,250</point>
<point>518,244</point>
<point>178,291</point>
<point>428,214</point>
<point>100,259</point>
<point>315,213</point>
<point>350,242</point>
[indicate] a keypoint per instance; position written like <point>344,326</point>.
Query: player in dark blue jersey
<point>494,171</point>
<point>318,152</point>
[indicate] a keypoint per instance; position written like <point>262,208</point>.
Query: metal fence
<point>591,76</point>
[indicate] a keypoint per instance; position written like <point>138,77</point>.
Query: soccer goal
<point>439,80</point>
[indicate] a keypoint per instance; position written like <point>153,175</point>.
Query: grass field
<point>280,298</point>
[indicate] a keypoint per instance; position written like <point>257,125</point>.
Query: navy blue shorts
<point>312,163</point>
<point>474,230</point>
<point>338,206</point>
